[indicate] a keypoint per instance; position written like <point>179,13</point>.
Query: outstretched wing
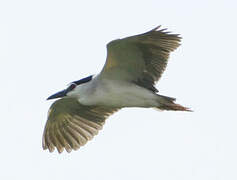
<point>140,59</point>
<point>70,124</point>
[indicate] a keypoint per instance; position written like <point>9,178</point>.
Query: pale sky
<point>44,45</point>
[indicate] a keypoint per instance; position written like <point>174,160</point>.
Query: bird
<point>133,65</point>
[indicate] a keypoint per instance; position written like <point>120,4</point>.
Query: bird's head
<point>70,89</point>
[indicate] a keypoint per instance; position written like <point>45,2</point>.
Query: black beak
<point>58,95</point>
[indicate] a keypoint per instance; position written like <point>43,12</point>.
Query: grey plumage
<point>70,124</point>
<point>145,57</point>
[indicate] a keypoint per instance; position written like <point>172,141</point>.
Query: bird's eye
<point>71,87</point>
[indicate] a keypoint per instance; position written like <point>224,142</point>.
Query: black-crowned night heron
<point>132,67</point>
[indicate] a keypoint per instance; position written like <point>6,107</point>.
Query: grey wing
<point>70,124</point>
<point>141,58</point>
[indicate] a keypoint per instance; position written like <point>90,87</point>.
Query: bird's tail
<point>167,103</point>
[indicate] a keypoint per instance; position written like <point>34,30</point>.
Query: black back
<point>84,80</point>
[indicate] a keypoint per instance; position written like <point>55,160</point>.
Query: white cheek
<point>82,91</point>
<point>75,92</point>
<point>72,94</point>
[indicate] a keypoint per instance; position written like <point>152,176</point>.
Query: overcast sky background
<point>44,45</point>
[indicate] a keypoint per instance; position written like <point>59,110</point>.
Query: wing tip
<point>61,150</point>
<point>156,28</point>
<point>164,30</point>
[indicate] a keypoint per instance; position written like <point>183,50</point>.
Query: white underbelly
<point>120,94</point>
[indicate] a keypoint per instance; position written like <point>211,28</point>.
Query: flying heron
<point>132,67</point>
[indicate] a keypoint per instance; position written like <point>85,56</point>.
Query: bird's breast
<point>117,94</point>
